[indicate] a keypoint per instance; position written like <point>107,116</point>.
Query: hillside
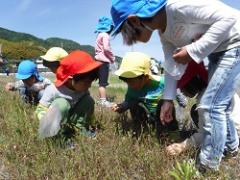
<point>18,45</point>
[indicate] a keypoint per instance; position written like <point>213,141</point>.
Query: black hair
<point>126,79</point>
<point>130,33</point>
<point>51,64</point>
<point>33,75</point>
<point>91,75</point>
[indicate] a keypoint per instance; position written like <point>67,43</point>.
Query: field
<point>114,154</point>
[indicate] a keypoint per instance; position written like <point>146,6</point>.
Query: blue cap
<point>121,9</point>
<point>105,24</point>
<point>26,69</point>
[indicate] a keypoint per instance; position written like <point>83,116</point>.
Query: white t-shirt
<point>215,23</point>
<point>52,92</point>
<point>36,87</point>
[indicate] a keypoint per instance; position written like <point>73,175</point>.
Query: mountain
<point>19,37</point>
<point>69,45</point>
<point>16,45</point>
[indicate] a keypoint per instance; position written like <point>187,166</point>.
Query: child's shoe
<point>105,103</point>
<point>69,144</point>
<point>88,133</point>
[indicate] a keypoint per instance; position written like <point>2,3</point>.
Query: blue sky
<point>71,19</point>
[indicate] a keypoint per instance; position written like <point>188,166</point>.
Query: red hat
<point>193,69</point>
<point>77,62</point>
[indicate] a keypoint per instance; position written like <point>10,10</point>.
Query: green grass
<point>115,154</point>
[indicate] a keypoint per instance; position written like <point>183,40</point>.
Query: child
<point>144,91</point>
<point>31,85</point>
<point>103,53</point>
<point>193,84</point>
<point>179,23</point>
<point>53,57</point>
<point>67,106</point>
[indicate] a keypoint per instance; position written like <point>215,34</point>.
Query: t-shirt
<point>35,87</point>
<point>52,92</point>
<point>149,95</point>
<point>202,27</point>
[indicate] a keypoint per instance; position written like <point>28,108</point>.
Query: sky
<point>71,19</point>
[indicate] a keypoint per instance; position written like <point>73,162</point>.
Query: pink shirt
<point>103,50</point>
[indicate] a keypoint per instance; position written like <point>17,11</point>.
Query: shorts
<point>103,73</point>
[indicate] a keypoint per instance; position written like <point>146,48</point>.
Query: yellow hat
<point>54,54</point>
<point>135,64</point>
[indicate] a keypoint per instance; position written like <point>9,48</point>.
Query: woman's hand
<point>166,112</point>
<point>181,56</point>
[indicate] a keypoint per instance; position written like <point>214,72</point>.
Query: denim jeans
<point>219,132</point>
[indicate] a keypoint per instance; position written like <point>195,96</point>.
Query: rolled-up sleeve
<point>220,19</point>
<point>170,87</point>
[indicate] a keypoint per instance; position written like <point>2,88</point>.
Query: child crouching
<point>143,94</point>
<point>30,85</point>
<point>67,106</point>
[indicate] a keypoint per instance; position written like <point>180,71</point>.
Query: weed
<point>185,170</point>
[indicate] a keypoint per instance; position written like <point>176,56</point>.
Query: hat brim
<point>46,58</point>
<point>90,67</point>
<point>105,29</point>
<point>22,77</point>
<point>116,30</point>
<point>142,14</point>
<point>127,74</point>
<point>130,74</point>
<point>154,77</point>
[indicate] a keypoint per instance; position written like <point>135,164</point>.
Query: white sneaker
<point>105,103</point>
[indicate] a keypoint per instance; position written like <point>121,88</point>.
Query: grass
<point>115,154</point>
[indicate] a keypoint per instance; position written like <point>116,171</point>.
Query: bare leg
<point>102,92</point>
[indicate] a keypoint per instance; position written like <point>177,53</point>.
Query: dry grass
<point>115,154</point>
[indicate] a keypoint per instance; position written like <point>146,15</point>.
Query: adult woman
<point>179,23</point>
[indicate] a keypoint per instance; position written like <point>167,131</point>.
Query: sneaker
<point>88,133</point>
<point>105,103</point>
<point>70,145</point>
<point>204,169</point>
<point>230,154</point>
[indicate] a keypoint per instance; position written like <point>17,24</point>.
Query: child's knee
<point>85,107</point>
<point>87,102</point>
<point>63,105</point>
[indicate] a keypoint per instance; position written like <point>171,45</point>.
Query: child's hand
<point>9,87</point>
<point>37,87</point>
<point>115,107</point>
<point>181,56</point>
